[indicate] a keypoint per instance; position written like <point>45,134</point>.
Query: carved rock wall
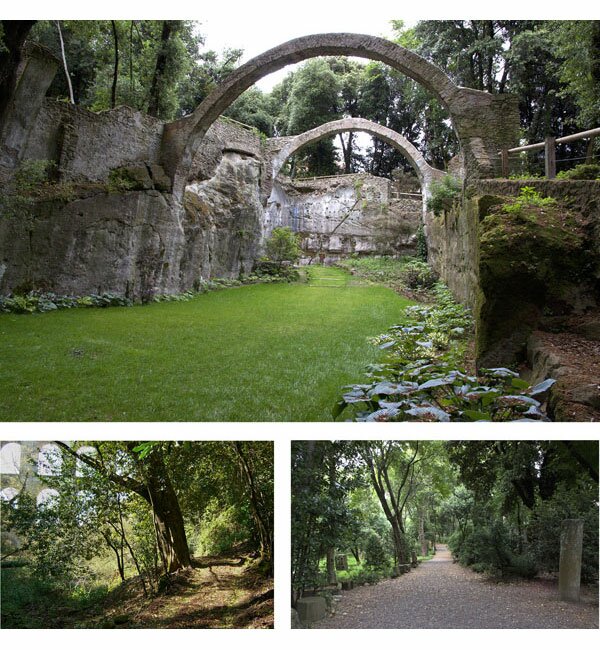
<point>342,215</point>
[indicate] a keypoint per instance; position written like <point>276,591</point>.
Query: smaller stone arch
<point>10,458</point>
<point>47,498</point>
<point>425,172</point>
<point>49,461</point>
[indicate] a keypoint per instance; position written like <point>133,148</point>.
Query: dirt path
<point>441,594</point>
<point>219,592</point>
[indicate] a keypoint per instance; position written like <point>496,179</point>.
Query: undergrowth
<point>422,375</point>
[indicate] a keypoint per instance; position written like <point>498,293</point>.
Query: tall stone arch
<point>423,169</point>
<point>484,123</point>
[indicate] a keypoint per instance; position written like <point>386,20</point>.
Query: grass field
<point>256,353</point>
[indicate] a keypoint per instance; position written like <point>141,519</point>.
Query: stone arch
<point>10,458</point>
<point>425,172</point>
<point>49,460</point>
<point>47,497</point>
<point>483,124</point>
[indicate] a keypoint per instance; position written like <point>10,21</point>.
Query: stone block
<point>571,544</point>
<point>311,609</point>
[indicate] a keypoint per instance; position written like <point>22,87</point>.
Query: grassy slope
<point>257,353</point>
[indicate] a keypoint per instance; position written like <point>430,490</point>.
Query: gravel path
<point>441,594</point>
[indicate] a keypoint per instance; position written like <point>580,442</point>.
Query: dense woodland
<point>162,68</point>
<point>135,513</point>
<point>498,505</point>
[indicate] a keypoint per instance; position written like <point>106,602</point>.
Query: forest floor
<point>443,594</point>
<point>218,592</point>
<point>228,591</point>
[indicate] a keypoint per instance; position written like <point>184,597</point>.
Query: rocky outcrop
<point>223,223</point>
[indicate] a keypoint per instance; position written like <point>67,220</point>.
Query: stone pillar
<point>37,72</point>
<point>571,543</point>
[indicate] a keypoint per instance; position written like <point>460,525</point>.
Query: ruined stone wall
<point>86,234</point>
<point>341,215</point>
<point>519,274</point>
<point>87,145</point>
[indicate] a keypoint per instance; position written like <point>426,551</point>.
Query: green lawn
<point>256,353</point>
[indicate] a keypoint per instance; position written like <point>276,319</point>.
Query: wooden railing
<point>549,146</point>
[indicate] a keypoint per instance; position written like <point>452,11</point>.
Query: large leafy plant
<point>420,378</point>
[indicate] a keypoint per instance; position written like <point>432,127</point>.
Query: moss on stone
<point>530,261</point>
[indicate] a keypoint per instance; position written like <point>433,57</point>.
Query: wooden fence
<point>549,146</point>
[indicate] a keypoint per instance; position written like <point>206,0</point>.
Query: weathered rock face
<point>341,215</point>
<point>452,240</point>
<point>110,221</point>
<point>127,243</point>
<point>223,221</point>
<point>520,272</point>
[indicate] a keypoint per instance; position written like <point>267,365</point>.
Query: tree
<point>153,484</point>
<point>391,466</point>
<point>256,470</point>
<point>282,246</point>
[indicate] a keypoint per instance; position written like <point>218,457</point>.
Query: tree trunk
<point>168,520</point>
<point>15,33</point>
<point>154,101</point>
<point>264,527</point>
<point>422,540</point>
<point>113,92</point>
<point>400,548</point>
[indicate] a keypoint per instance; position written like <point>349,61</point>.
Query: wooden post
<point>504,157</point>
<point>550,156</point>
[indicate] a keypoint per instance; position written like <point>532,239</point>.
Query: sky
<point>258,25</point>
<point>277,26</point>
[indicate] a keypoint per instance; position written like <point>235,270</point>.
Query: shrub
<point>528,197</point>
<point>219,530</point>
<point>419,275</point>
<point>283,246</point>
<point>486,549</point>
<point>444,194</point>
<point>584,172</point>
<point>375,555</point>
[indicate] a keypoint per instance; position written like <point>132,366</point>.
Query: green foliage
<point>528,197</point>
<point>444,194</point>
<point>584,172</point>
<point>422,252</point>
<point>575,501</point>
<point>420,378</point>
<point>120,181</point>
<point>219,529</point>
<point>419,276</point>
<point>43,301</point>
<point>283,246</point>
<point>487,548</point>
<point>375,553</point>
